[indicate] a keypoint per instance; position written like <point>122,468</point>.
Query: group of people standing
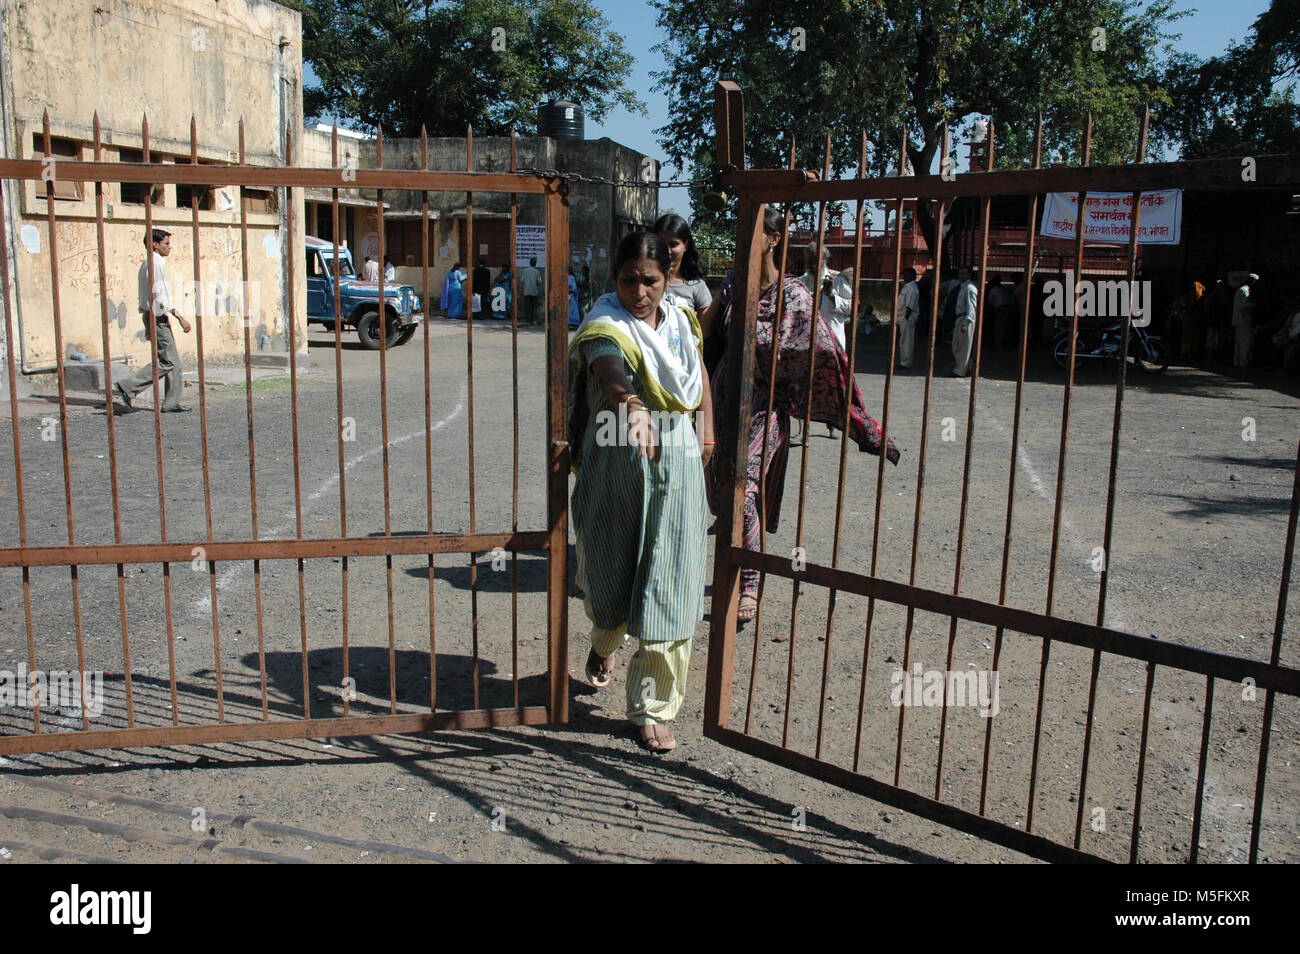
<point>640,361</point>
<point>960,305</point>
<point>1240,318</point>
<point>370,270</point>
<point>494,296</point>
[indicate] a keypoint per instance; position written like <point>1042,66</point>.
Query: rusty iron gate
<point>732,721</point>
<point>192,708</point>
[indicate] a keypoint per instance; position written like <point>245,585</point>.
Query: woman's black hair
<point>675,225</point>
<point>638,245</point>
<point>773,221</point>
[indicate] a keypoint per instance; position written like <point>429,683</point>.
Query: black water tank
<point>560,120</point>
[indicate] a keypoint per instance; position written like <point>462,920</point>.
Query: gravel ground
<point>1200,523</point>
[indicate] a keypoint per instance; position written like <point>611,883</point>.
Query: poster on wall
<point>1108,215</point>
<point>530,242</point>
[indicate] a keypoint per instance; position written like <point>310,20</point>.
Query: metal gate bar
<point>807,422</point>
<point>1135,215</point>
<point>921,460</point>
<point>1031,224</point>
<point>755,189</point>
<point>762,485</point>
<point>1271,676</point>
<point>884,437</point>
<point>985,206</point>
<point>1059,504</point>
<point>121,553</point>
<point>851,330</point>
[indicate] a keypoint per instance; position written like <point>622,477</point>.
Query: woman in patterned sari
<point>635,375</point>
<point>831,382</point>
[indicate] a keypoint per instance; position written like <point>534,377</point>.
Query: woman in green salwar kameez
<point>639,510</point>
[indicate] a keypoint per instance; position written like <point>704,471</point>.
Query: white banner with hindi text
<point>1108,215</point>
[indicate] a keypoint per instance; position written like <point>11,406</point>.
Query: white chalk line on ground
<point>1114,616</point>
<point>202,606</point>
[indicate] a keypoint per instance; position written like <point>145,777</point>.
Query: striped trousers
<point>656,675</point>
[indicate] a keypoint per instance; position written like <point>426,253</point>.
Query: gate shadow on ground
<point>584,781</point>
<point>590,783</point>
<point>662,782</point>
<point>369,667</point>
<point>532,573</point>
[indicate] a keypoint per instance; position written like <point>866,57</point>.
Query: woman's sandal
<point>656,738</point>
<point>600,669</point>
<point>747,609</point>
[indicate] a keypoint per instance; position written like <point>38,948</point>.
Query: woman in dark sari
<point>832,381</point>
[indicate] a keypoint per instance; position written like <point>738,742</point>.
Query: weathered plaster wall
<point>169,60</point>
<point>600,215</point>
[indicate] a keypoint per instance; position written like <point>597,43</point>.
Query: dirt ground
<point>1199,531</point>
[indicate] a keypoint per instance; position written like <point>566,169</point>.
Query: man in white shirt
<point>837,307</point>
<point>370,270</point>
<point>1243,321</point>
<point>160,303</point>
<point>963,331</point>
<point>530,286</point>
<point>829,305</point>
<point>909,313</point>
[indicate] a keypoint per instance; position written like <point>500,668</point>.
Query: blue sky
<point>1206,32</point>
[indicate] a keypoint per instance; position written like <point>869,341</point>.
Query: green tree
<point>1277,37</point>
<point>403,64</point>
<point>883,66</point>
<point>1240,103</point>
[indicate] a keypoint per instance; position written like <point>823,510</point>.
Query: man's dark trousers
<point>169,369</point>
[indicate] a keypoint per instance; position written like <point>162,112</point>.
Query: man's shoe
<point>174,410</point>
<point>126,398</point>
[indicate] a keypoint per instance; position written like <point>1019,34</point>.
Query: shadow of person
<point>495,574</point>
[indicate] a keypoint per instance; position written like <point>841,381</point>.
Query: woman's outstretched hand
<point>642,431</point>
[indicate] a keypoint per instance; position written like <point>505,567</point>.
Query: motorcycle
<point>1147,351</point>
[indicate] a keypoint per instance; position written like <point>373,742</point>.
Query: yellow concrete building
<point>169,60</point>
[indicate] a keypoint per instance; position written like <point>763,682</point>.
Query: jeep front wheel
<point>368,331</point>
